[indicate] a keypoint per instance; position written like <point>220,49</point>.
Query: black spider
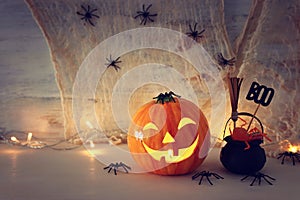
<point>206,174</point>
<point>116,166</point>
<point>167,97</point>
<point>292,156</point>
<point>145,15</point>
<point>113,63</point>
<point>88,15</point>
<point>258,176</point>
<point>194,33</point>
<point>224,62</point>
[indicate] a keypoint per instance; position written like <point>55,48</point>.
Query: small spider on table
<point>289,154</point>
<point>115,167</point>
<point>145,15</point>
<point>88,15</point>
<point>206,174</point>
<point>113,63</point>
<point>224,62</point>
<point>258,176</point>
<point>194,33</point>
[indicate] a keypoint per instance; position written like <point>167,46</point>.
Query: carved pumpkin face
<point>170,138</point>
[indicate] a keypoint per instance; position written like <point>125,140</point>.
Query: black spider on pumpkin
<point>224,62</point>
<point>194,33</point>
<point>113,63</point>
<point>166,97</point>
<point>145,15</point>
<point>258,176</point>
<point>206,174</point>
<point>115,167</point>
<point>88,15</point>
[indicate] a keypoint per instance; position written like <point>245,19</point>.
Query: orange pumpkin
<point>169,138</point>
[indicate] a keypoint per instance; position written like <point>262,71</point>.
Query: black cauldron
<point>239,160</point>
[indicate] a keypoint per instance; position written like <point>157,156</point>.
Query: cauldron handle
<point>245,114</point>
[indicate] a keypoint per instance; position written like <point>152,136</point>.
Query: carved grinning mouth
<point>169,156</point>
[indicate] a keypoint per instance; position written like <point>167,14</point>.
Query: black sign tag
<point>260,94</point>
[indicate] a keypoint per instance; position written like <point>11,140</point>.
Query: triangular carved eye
<point>150,125</point>
<point>168,138</point>
<point>185,121</point>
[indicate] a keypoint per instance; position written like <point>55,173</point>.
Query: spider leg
<point>84,8</point>
<point>125,169</point>
<point>88,10</point>
<point>200,181</point>
<point>93,10</point>
<point>124,165</point>
<point>232,59</point>
<point>279,155</point>
<point>147,7</point>
<point>144,20</point>
<point>91,22</point>
<point>172,98</point>
<point>108,166</point>
<point>116,67</point>
<point>253,181</point>
<point>150,19</point>
<point>190,28</point>
<point>208,179</point>
<point>83,18</point>
<point>137,15</point>
<point>153,15</point>
<point>217,176</point>
<point>269,177</point>
<point>267,180</point>
<point>244,178</point>
<point>282,161</point>
<point>117,59</point>
<point>196,175</point>
<point>115,171</point>
<point>95,15</point>
<point>202,31</point>
<point>220,56</point>
<point>293,160</point>
<point>195,27</point>
<point>78,13</point>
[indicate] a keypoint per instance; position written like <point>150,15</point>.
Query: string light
<point>29,137</point>
<point>92,145</point>
<point>30,141</point>
<point>14,139</point>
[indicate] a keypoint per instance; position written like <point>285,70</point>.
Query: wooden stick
<point>253,117</point>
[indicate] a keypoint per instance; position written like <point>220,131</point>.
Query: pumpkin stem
<point>166,97</point>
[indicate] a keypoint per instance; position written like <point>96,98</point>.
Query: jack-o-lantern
<point>169,136</point>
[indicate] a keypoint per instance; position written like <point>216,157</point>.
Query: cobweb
<point>267,52</point>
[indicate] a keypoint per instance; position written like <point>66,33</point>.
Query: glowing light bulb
<point>293,149</point>
<point>14,139</point>
<point>92,145</point>
<point>29,137</point>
